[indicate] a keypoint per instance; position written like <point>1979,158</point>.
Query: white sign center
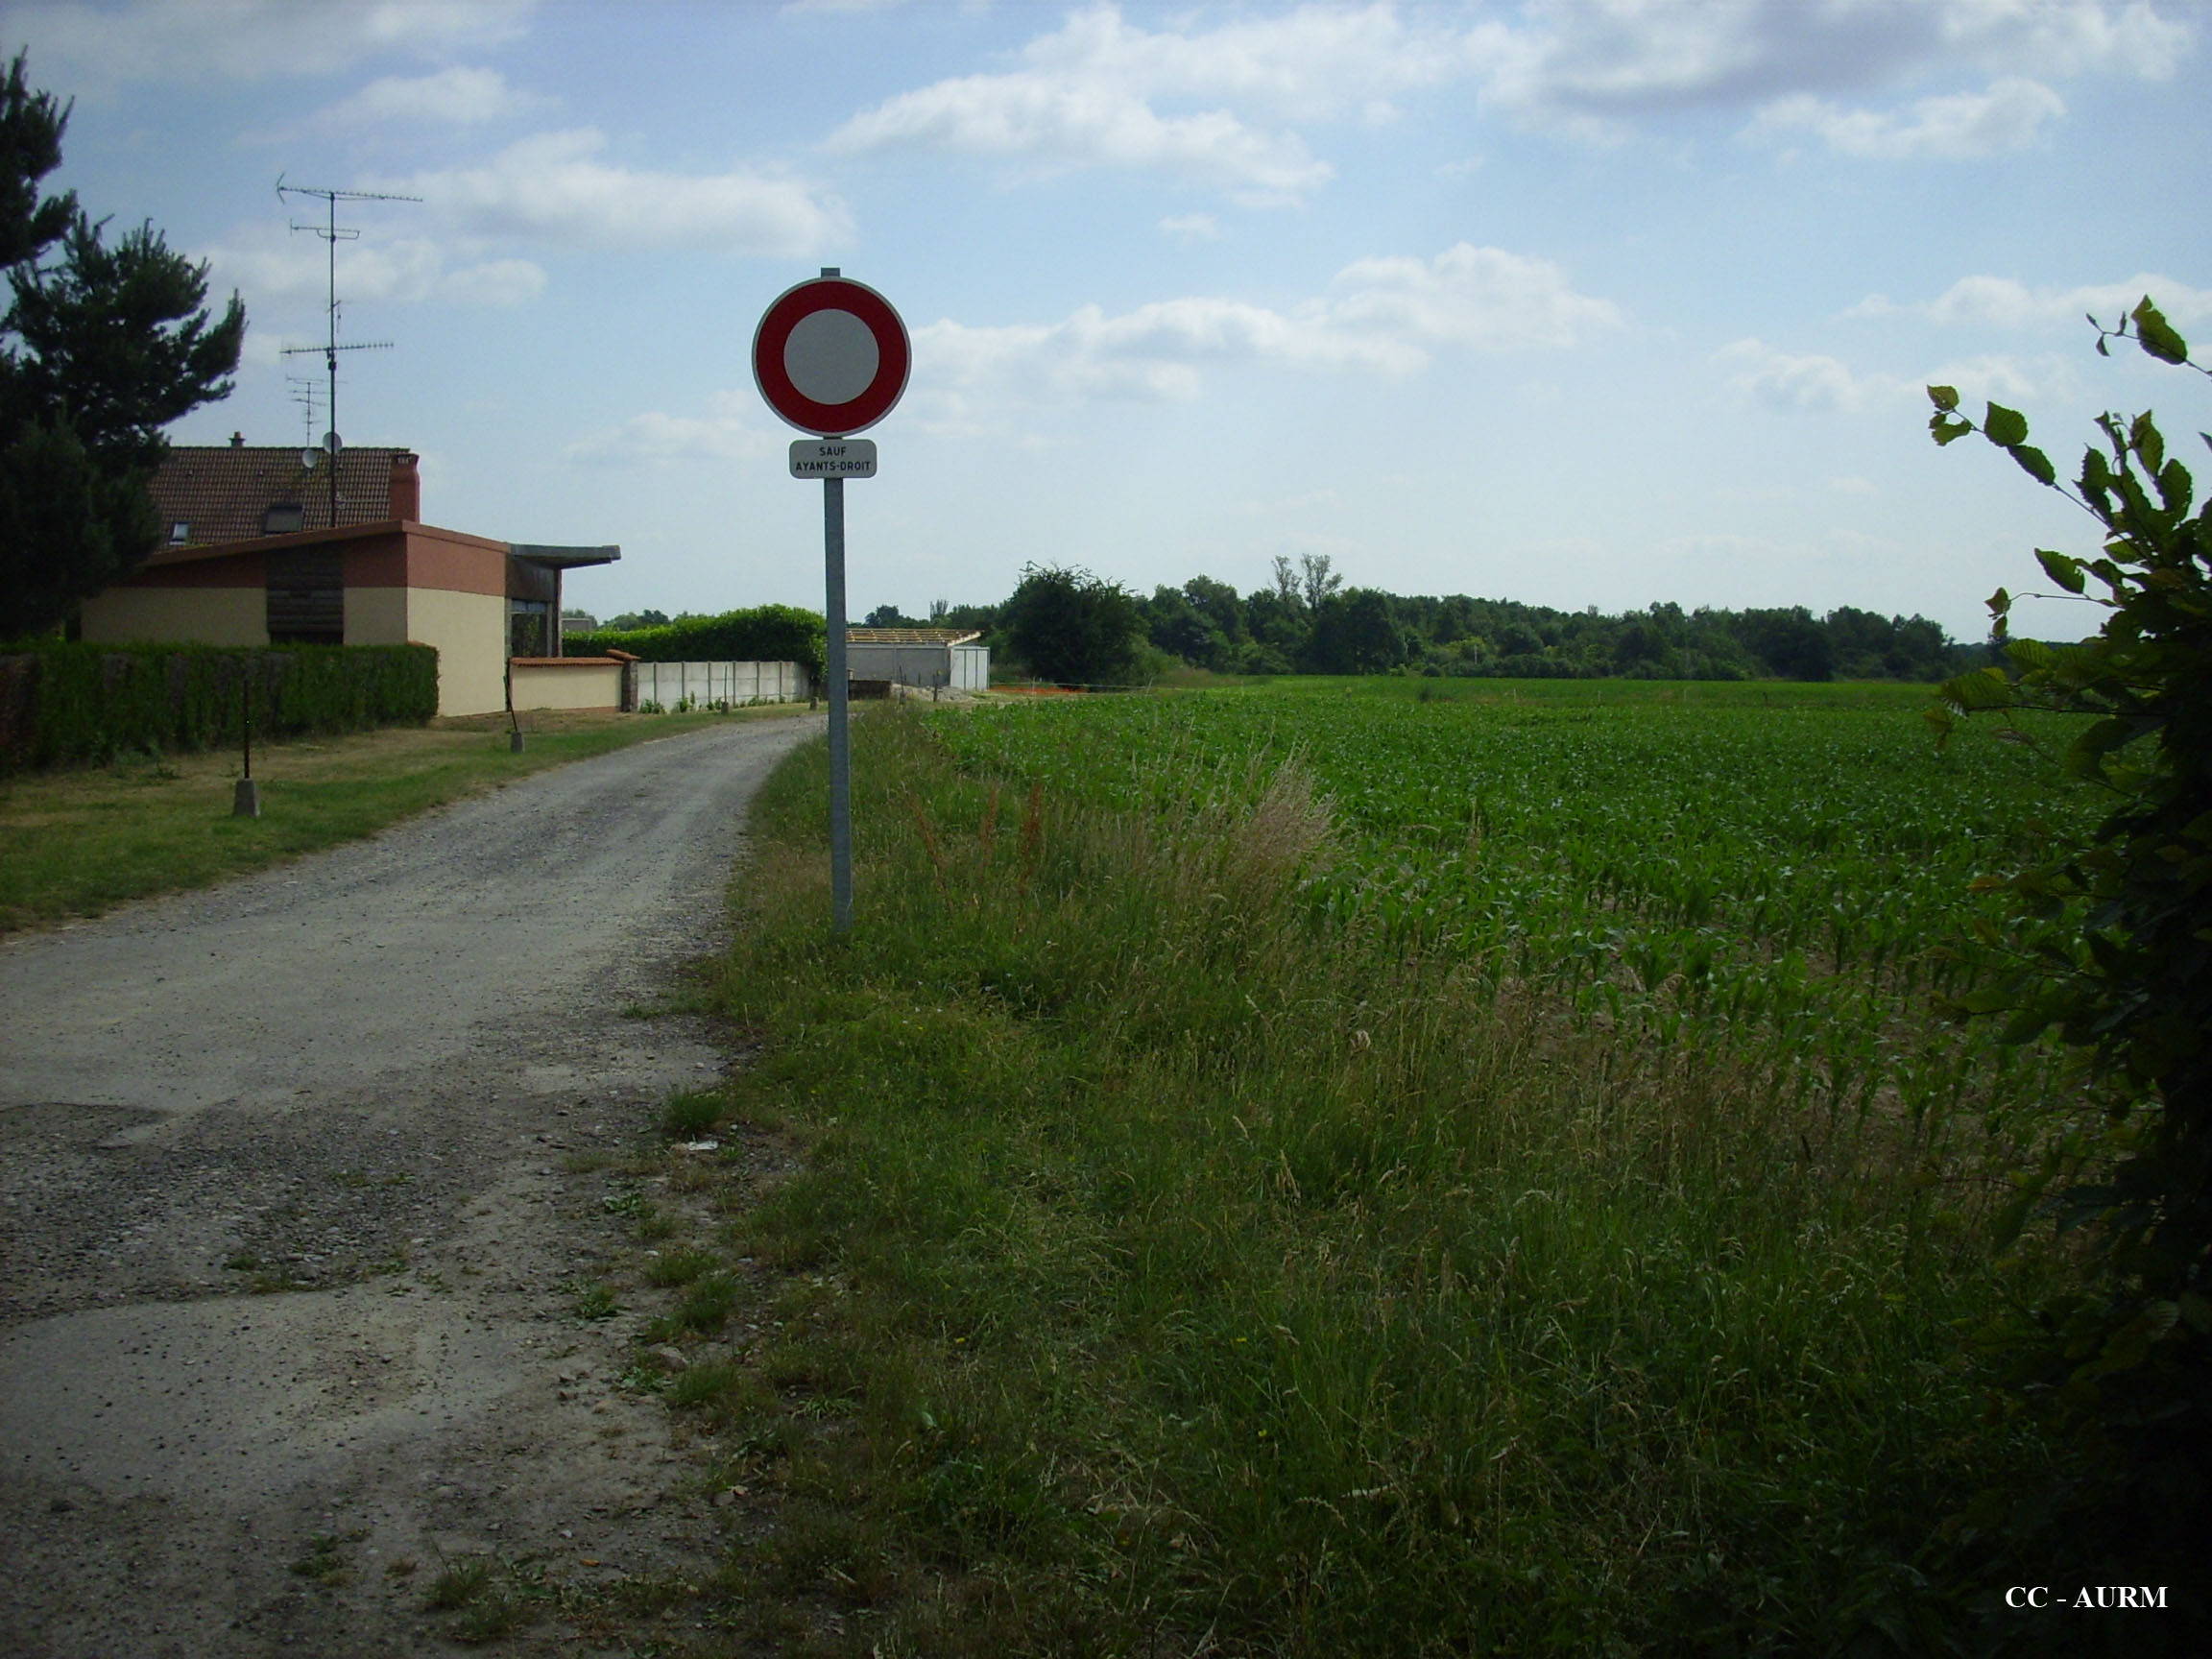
<point>831,357</point>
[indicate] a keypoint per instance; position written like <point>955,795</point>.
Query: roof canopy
<point>564,558</point>
<point>904,636</point>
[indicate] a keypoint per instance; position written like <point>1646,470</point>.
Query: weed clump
<point>688,1116</point>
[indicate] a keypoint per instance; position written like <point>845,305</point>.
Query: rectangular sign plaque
<point>834,458</point>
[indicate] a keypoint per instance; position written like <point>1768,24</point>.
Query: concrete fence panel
<point>708,684</point>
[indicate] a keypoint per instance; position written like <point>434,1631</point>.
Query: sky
<point>1577,303</point>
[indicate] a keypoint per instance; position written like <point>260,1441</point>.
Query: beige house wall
<point>471,633</point>
<point>375,615</point>
<point>585,686</point>
<point>177,616</point>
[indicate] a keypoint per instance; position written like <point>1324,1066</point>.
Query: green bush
<point>2110,949</point>
<point>62,703</point>
<point>764,634</point>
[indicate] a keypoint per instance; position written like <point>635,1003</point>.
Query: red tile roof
<point>222,492</point>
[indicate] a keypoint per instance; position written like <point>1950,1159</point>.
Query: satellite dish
<point>308,458</point>
<point>330,443</point>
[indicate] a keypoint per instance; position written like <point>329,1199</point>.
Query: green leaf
<point>1982,688</point>
<point>2195,1311</point>
<point>2176,487</point>
<point>2085,756</point>
<point>2157,335</point>
<point>2000,602</point>
<point>1944,398</point>
<point>2147,440</point>
<point>2005,427</point>
<point>2061,568</point>
<point>1948,429</point>
<point>2034,463</point>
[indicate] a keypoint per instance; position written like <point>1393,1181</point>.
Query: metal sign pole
<point>840,746</point>
<point>832,358</point>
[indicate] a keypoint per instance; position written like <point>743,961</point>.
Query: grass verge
<point>1175,1272</point>
<point>82,841</point>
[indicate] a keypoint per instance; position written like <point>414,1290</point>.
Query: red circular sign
<point>832,356</point>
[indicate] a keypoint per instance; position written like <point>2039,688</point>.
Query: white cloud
<point>1314,63</point>
<point>1854,485</point>
<point>1482,297</point>
<point>2010,380</point>
<point>457,96</point>
<point>1091,94</point>
<point>726,432</point>
<point>1815,382</point>
<point>1959,126</point>
<point>1383,316</point>
<point>1189,227</point>
<point>549,190</point>
<point>1595,63</point>
<point>1211,104</point>
<point>84,45</point>
<point>1781,380</point>
<point>2004,303</point>
<point>553,187</point>
<point>493,282</point>
<point>1053,123</point>
<point>267,267</point>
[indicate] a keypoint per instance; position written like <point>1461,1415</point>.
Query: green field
<point>1328,1169</point>
<point>1760,867</point>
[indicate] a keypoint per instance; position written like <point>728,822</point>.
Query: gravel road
<point>289,1226</point>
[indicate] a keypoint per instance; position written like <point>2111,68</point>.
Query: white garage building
<point>944,658</point>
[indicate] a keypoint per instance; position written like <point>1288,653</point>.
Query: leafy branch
<point>2110,949</point>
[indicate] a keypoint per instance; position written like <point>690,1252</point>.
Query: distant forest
<point>1309,622</point>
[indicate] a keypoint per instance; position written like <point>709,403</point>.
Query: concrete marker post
<point>246,798</point>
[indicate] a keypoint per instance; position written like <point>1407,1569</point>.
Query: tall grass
<point>1182,1268</point>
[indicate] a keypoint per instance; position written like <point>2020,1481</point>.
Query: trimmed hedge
<point>62,703</point>
<point>764,634</point>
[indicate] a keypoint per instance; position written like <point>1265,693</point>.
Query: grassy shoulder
<point>80,841</point>
<point>1175,1271</point>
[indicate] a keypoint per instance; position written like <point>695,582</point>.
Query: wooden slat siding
<point>307,597</point>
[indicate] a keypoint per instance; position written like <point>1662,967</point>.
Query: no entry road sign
<point>831,356</point>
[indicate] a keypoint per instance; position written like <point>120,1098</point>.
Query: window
<point>180,533</point>
<point>282,519</point>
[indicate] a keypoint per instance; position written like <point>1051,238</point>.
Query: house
<point>275,546</point>
<point>924,656</point>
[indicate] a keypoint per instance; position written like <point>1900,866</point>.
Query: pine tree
<point>101,347</point>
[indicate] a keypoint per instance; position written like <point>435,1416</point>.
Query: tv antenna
<point>334,233</point>
<point>304,394</point>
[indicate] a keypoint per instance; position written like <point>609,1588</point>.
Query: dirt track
<point>355,1081</point>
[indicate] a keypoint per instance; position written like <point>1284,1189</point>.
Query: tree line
<point>1068,625</point>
